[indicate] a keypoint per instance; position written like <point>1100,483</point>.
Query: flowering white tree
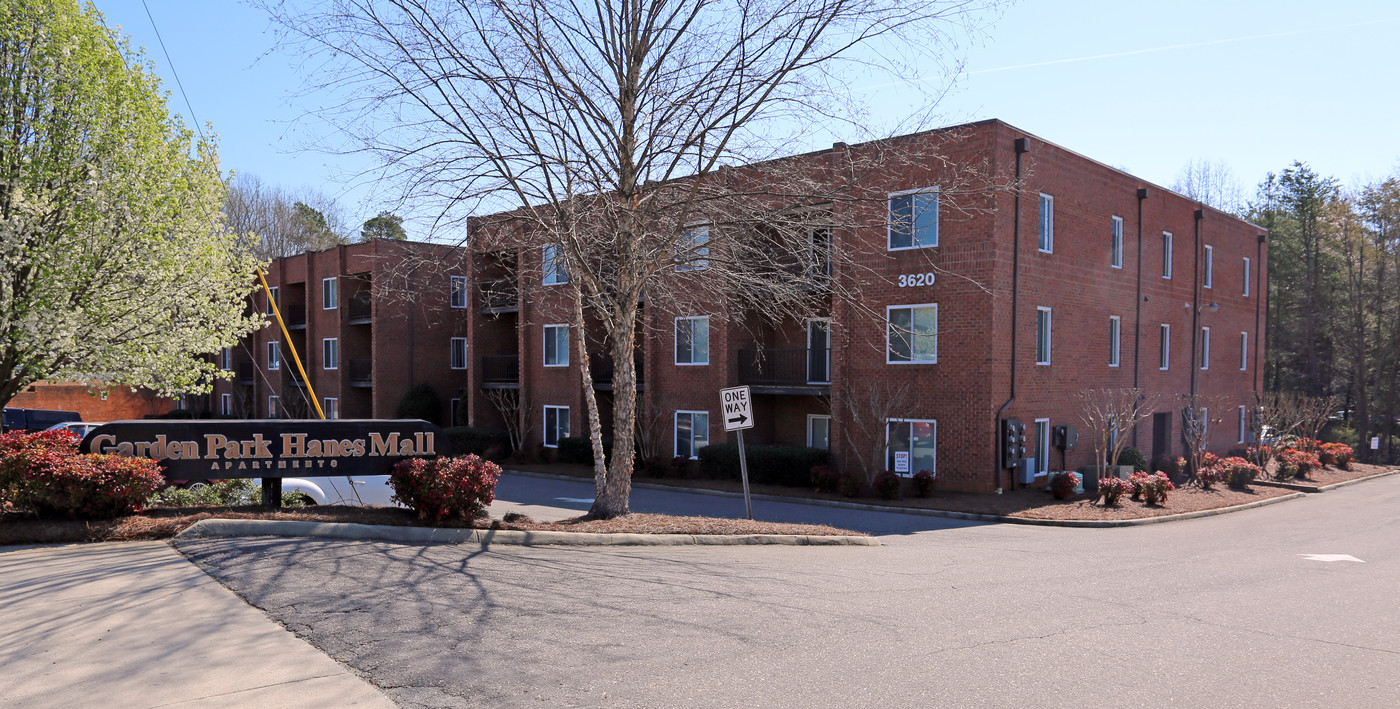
<point>115,265</point>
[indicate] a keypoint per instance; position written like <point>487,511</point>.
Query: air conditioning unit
<point>1025,472</point>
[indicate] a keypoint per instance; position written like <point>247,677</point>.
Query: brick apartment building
<point>1084,277</point>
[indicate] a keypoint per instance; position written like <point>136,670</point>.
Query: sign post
<point>737,412</point>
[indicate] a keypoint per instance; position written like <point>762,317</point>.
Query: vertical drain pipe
<point>1142,195</point>
<point>1196,307</point>
<point>1023,146</point>
<point>1258,301</point>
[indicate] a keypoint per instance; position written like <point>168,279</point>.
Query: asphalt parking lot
<point>1288,605</point>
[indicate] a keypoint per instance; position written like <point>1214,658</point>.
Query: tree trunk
<point>613,484</point>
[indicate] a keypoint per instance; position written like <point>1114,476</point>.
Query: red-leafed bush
<point>1113,489</point>
<point>44,473</point>
<point>1151,489</point>
<point>887,485</point>
<point>1296,464</point>
<point>1210,475</point>
<point>445,488</point>
<point>924,480</point>
<point>851,484</point>
<point>1238,472</point>
<point>1063,485</point>
<point>826,479</point>
<point>1336,454</point>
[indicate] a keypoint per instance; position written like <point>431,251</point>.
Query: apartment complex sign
<point>201,450</point>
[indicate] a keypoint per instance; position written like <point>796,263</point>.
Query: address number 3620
<point>908,280</point>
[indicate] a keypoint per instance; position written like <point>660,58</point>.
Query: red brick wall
<point>120,403</point>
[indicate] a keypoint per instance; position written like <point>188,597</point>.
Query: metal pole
<point>272,487</point>
<point>744,472</point>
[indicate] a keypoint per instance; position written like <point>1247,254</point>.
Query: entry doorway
<point>1161,435</point>
<point>819,351</point>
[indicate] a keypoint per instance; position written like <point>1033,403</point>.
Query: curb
<point>969,516</point>
<point>1323,488</point>
<point>1345,483</point>
<point>209,528</point>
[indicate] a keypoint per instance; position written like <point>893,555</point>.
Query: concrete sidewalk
<point>137,625</point>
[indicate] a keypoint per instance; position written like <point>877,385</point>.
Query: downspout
<point>1258,305</point>
<point>1196,306</point>
<point>1142,195</point>
<point>1023,146</point>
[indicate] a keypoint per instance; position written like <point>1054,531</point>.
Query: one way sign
<point>734,403</point>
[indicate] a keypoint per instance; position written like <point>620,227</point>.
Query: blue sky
<point>1145,86</point>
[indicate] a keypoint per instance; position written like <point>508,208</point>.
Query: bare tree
<point>1109,415</point>
<point>1313,412</point>
<point>511,407</point>
<point>1212,183</point>
<point>280,222</point>
<point>1201,414</point>
<point>868,409</point>
<point>607,127</point>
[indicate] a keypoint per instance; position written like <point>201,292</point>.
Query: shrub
<point>1239,472</point>
<point>1173,467</point>
<point>1151,489</point>
<point>1111,490</point>
<point>234,492</point>
<point>772,465</point>
<point>826,479</point>
<point>681,467</point>
<point>1062,485</point>
<point>466,440</point>
<point>57,483</point>
<point>851,484</point>
<point>1210,475</point>
<point>924,481</point>
<point>887,485</point>
<point>1296,464</point>
<point>445,488</point>
<point>1336,454</point>
<point>421,402</point>
<point>1134,457</point>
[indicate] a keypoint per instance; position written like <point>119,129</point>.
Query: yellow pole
<point>287,338</point>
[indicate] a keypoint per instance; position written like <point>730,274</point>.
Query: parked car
<point>344,490</point>
<point>79,428</point>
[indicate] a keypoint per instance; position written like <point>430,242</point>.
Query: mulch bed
<point>1332,476</point>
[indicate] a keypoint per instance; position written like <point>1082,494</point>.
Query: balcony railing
<point>295,315</point>
<point>779,366</point>
<point>295,377</point>
<point>500,369</point>
<point>246,372</point>
<point>600,365</point>
<point>499,296</point>
<point>360,310</point>
<point>361,372</point>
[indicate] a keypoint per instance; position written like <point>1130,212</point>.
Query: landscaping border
<point>1322,488</point>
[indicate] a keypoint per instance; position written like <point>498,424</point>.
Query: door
<point>819,351</point>
<point>1161,435</point>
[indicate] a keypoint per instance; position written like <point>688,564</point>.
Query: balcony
<point>295,377</point>
<point>247,371</point>
<point>361,372</point>
<point>360,310</point>
<point>500,371</point>
<point>601,367</point>
<point>499,296</point>
<point>792,370</point>
<point>295,316</point>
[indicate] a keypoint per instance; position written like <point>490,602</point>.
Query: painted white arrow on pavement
<point>1331,557</point>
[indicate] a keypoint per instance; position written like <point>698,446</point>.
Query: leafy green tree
<point>116,263</point>
<point>385,225</point>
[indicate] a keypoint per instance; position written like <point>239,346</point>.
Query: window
<point>911,335</point>
<point>1042,446</point>
<point>1244,351</point>
<point>459,353</point>
<point>913,446</point>
<point>226,404</point>
<point>556,425</point>
<point>1115,254</point>
<point>331,408</point>
<point>1164,354</point>
<point>274,407</point>
<point>1042,335</point>
<point>1115,332</point>
<point>819,239</point>
<point>1205,348</point>
<point>556,345</point>
<point>274,355</point>
<point>1246,278</point>
<point>225,359</point>
<point>1166,254</point>
<point>692,248</point>
<point>555,270</point>
<point>330,353</point>
<point>818,431</point>
<point>330,293</point>
<point>459,292</point>
<point>1047,223</point>
<point>693,340</point>
<point>913,222</point>
<point>692,433</point>
<point>1209,276</point>
<point>272,297</point>
<point>1244,425</point>
<point>452,418</point>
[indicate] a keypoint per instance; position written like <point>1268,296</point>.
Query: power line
<point>171,64</point>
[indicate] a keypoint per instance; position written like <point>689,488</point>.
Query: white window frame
<point>330,293</point>
<point>1245,292</point>
<point>1042,442</point>
<point>1164,348</point>
<point>274,406</point>
<point>330,406</point>
<point>814,417</point>
<point>453,405</point>
<point>1115,340</point>
<point>1208,278</point>
<point>686,240</point>
<point>226,359</point>
<point>1167,240</point>
<point>1244,351</point>
<point>1205,348</point>
<point>274,355</point>
<point>1045,337</point>
<point>889,332</point>
<point>1045,227</point>
<point>544,425</point>
<point>1115,254</point>
<point>225,404</point>
<point>889,219</point>
<point>561,352</point>
<point>676,331</point>
<point>1243,425</point>
<point>554,271</point>
<point>457,292</point>
<point>330,353</point>
<point>676,433</point>
<point>911,422</point>
<point>272,297</point>
<point>452,354</point>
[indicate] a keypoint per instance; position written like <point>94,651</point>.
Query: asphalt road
<point>1225,611</point>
